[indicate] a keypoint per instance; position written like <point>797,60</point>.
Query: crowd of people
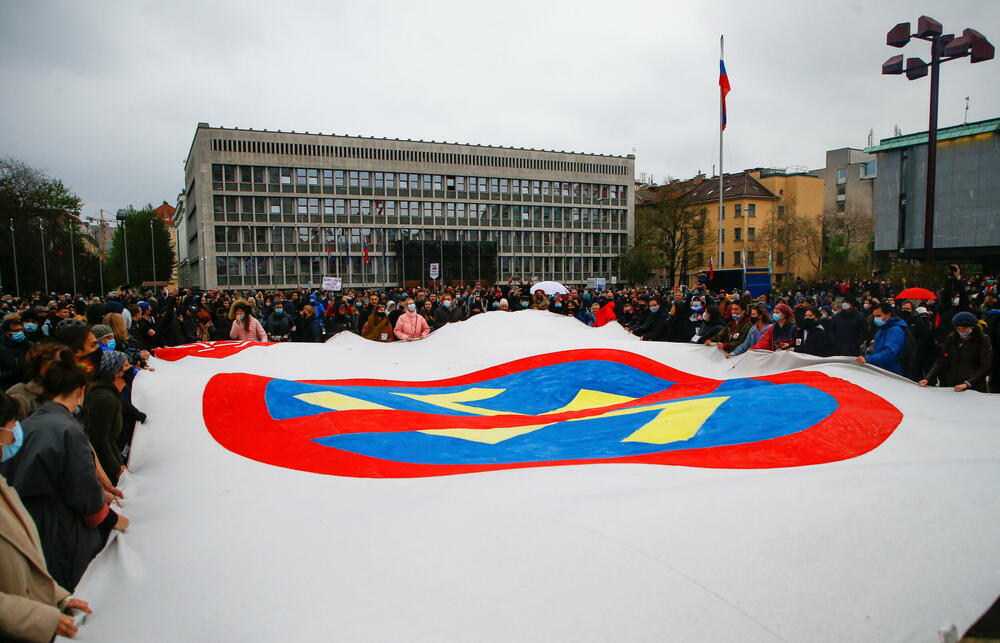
<point>67,363</point>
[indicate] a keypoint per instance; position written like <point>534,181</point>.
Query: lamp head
<point>899,35</point>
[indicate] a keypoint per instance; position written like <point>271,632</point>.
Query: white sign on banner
<point>435,270</point>
<point>332,283</point>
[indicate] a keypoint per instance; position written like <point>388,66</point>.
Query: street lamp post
<point>122,216</point>
<point>45,270</point>
<point>13,254</point>
<point>72,258</point>
<point>944,47</point>
<point>152,248</point>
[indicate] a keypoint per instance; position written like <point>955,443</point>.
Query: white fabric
<point>549,288</point>
<point>893,545</point>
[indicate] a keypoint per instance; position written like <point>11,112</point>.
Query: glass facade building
<point>277,209</point>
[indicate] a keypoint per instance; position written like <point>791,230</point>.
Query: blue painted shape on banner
<point>529,392</point>
<point>755,410</point>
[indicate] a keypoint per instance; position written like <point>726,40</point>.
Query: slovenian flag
<point>723,89</point>
<point>364,249</point>
<point>711,270</point>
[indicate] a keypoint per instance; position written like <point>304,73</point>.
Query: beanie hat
<point>203,316</point>
<point>964,318</point>
<point>100,331</point>
<point>111,364</point>
<point>144,305</point>
<point>114,307</point>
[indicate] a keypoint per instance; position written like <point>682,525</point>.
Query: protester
<point>29,394</point>
<point>760,323</point>
<point>378,328</point>
<point>103,405</point>
<point>410,325</point>
<point>890,341</point>
<point>811,336</point>
<point>55,476</point>
<point>33,607</point>
<point>966,357</point>
<point>245,325</point>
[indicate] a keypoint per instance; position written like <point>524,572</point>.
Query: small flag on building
<point>723,89</point>
<point>364,249</point>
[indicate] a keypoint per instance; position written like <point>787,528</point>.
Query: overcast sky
<point>106,96</point>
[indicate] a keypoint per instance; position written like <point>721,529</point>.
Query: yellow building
<point>769,216</point>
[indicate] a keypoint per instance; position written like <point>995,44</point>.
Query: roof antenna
<point>871,137</point>
<point>966,120</point>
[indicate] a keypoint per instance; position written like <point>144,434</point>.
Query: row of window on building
<point>302,270</point>
<point>336,240</point>
<point>230,176</point>
<point>316,210</point>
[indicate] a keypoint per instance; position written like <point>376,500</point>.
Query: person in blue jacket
<point>890,341</point>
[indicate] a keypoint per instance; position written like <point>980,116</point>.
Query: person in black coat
<point>55,476</point>
<point>811,337</point>
<point>681,327</point>
<point>847,330</point>
<point>966,356</point>
<point>657,324</point>
<point>710,325</point>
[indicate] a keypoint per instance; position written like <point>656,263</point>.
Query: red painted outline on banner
<point>209,350</point>
<point>236,415</point>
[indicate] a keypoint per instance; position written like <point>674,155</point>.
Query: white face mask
<point>845,306</point>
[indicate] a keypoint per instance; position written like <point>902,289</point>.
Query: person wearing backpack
<point>889,347</point>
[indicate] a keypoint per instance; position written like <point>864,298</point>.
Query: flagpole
<point>722,130</point>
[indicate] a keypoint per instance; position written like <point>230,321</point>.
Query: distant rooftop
<point>734,186</point>
<point>407,140</point>
<point>944,134</point>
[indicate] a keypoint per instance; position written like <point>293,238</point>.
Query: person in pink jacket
<point>410,325</point>
<point>245,326</point>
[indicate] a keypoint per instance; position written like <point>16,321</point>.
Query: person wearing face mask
<point>760,324</point>
<point>447,312</point>
<point>735,331</point>
<point>811,336</point>
<point>781,334</point>
<point>14,346</point>
<point>56,477</point>
<point>32,326</point>
<point>890,341</point>
<point>656,325</point>
<point>410,325</point>
<point>338,319</point>
<point>848,329</point>
<point>245,325</point>
<point>279,323</point>
<point>33,607</point>
<point>104,412</point>
<point>378,328</point>
<point>966,357</point>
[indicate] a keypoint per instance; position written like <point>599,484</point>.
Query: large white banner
<point>522,477</point>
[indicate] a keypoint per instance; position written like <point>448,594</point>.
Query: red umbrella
<point>916,293</point>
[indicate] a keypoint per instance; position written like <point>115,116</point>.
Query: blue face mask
<point>279,310</point>
<point>776,316</point>
<point>30,327</point>
<point>446,303</point>
<point>411,307</point>
<point>654,309</point>
<point>879,321</point>
<point>524,304</point>
<point>18,336</point>
<point>11,450</point>
<point>111,344</point>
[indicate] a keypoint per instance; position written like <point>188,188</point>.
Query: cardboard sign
<point>332,283</point>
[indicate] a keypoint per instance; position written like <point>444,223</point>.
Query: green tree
<point>145,240</point>
<point>40,229</point>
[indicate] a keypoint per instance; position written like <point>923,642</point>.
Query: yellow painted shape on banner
<point>339,402</point>
<point>456,401</point>
<point>676,422</point>
<point>486,436</point>
<point>587,399</point>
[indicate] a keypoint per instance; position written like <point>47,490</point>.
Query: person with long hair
<point>378,328</point>
<point>55,476</point>
<point>33,603</point>
<point>760,323</point>
<point>29,394</point>
<point>245,325</point>
<point>411,325</point>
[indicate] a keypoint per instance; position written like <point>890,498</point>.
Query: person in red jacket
<point>606,312</point>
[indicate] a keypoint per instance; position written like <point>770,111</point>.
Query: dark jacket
<point>444,315</point>
<point>681,327</point>
<point>279,324</point>
<point>103,424</point>
<point>815,341</point>
<point>964,360</point>
<point>11,361</point>
<point>734,333</point>
<point>707,330</point>
<point>656,327</point>
<point>848,330</point>
<point>55,477</point>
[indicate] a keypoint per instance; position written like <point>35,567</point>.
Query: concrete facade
<point>967,203</point>
<point>848,195</point>
<point>283,209</point>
